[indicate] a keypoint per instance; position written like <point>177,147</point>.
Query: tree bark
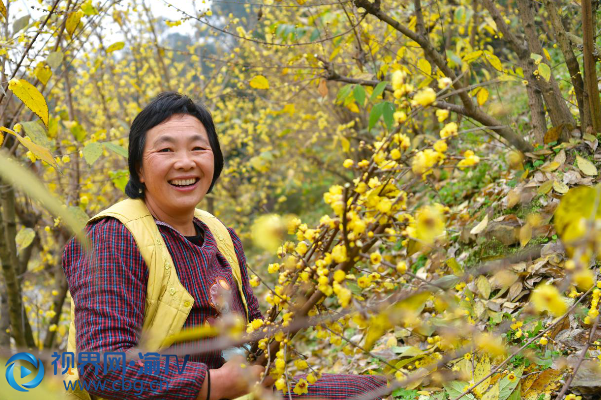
<point>590,74</point>
<point>556,105</point>
<point>571,63</point>
<point>20,328</point>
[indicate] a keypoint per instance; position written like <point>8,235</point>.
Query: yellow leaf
<point>24,238</point>
<point>480,227</point>
<point>575,207</point>
<point>40,152</point>
<point>424,66</point>
<point>31,96</point>
<point>483,286</point>
<point>115,46</point>
<point>474,55</point>
<point>2,9</point>
<point>72,21</point>
<point>587,167</point>
<point>560,187</point>
<point>494,61</point>
<point>550,167</point>
<point>545,187</point>
<point>42,72</point>
<point>259,82</point>
<point>547,54</point>
<point>482,96</point>
<point>481,370</point>
<point>525,234</point>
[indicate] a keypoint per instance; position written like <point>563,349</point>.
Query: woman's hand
<point>232,380</point>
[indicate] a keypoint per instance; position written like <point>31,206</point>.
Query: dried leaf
<point>2,9</point>
<point>553,134</point>
<point>545,187</point>
<point>550,167</point>
<point>587,167</point>
<point>483,286</point>
<point>322,89</point>
<point>560,157</point>
<point>24,238</point>
<point>480,227</point>
<point>560,187</point>
<point>513,197</point>
<point>525,234</point>
<point>73,21</point>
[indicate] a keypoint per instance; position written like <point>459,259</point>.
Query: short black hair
<point>163,107</point>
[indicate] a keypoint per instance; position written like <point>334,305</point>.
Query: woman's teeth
<point>183,182</point>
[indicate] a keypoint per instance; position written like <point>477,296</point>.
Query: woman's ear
<point>140,174</point>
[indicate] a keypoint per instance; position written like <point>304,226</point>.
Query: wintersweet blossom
<point>424,97</point>
<point>442,115</point>
<point>449,130</point>
<point>424,161</point>
<point>469,160</point>
<point>547,298</point>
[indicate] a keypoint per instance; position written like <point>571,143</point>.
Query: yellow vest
<point>168,303</point>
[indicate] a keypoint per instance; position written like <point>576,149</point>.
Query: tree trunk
<point>590,74</point>
<point>20,328</point>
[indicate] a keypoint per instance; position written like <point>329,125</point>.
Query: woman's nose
<point>184,161</point>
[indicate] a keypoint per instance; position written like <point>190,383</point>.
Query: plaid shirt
<point>109,291</point>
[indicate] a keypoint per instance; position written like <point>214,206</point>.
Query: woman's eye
<point>199,148</point>
<point>164,150</point>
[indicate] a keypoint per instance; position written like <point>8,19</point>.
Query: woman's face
<point>177,165</point>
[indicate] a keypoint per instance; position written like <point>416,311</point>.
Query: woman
<point>174,161</point>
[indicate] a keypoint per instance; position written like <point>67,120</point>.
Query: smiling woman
<point>160,265</point>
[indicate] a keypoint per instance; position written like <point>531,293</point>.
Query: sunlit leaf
<point>20,24</point>
<point>73,21</point>
<point>259,82</point>
<point>39,151</point>
<point>31,96</point>
<point>92,152</point>
<point>115,148</point>
<point>24,180</point>
<point>54,59</point>
<point>545,71</point>
<point>24,238</point>
<point>115,47</point>
<point>37,133</point>
<point>587,167</point>
<point>42,72</point>
<point>424,66</point>
<point>482,96</point>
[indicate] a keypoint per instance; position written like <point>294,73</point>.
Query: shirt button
<point>186,303</point>
<point>172,291</point>
<point>167,266</point>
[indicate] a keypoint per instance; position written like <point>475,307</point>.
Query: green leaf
<point>375,114</point>
<point>507,387</point>
<point>119,178</point>
<point>378,90</point>
<point>456,388</point>
<point>24,238</point>
<point>116,148</point>
<point>343,93</point>
<point>20,24</point>
<point>388,112</point>
<point>37,133</point>
<point>314,35</point>
<point>92,152</point>
<point>78,132</point>
<point>536,57</point>
<point>545,71</point>
<point>26,181</point>
<point>54,59</point>
<point>359,94</point>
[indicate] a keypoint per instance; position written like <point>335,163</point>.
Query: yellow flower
<point>511,377</point>
<point>348,163</point>
<point>424,161</point>
<point>375,258</point>
<point>449,130</point>
<point>444,83</point>
<point>280,384</point>
<point>424,97</point>
<point>547,298</point>
<point>429,224</point>
<point>442,115</point>
<point>401,267</point>
<point>339,275</point>
<point>543,341</point>
<point>256,324</point>
<point>469,160</point>
<point>400,116</point>
<point>339,253</point>
<point>301,248</point>
<point>273,268</point>
<point>52,328</point>
<point>395,154</point>
<point>301,387</point>
<point>311,379</point>
<point>55,292</point>
<point>363,281</point>
<point>301,364</point>
<point>398,78</point>
<point>584,279</point>
<point>440,146</point>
